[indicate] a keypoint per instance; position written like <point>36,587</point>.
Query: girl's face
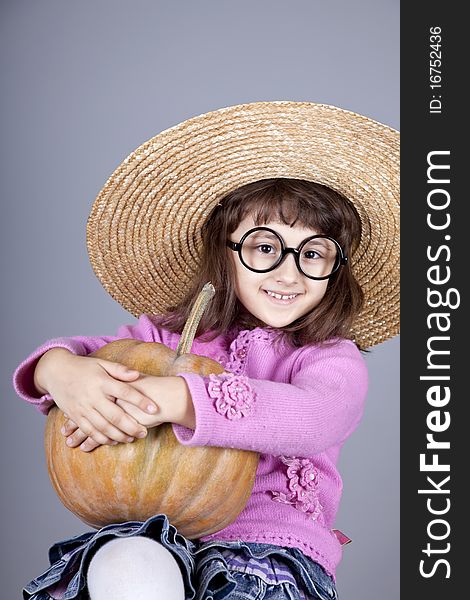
<point>255,290</point>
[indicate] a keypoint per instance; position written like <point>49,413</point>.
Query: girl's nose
<point>287,271</point>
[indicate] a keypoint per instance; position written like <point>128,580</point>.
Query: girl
<point>271,226</point>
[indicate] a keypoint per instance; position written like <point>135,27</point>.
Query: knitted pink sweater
<point>296,406</point>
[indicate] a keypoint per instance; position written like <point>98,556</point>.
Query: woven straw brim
<point>144,230</point>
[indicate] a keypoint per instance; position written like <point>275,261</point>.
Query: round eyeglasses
<point>262,250</point>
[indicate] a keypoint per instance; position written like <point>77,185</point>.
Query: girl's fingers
<point>89,444</point>
<point>133,396</point>
<point>86,429</point>
<point>98,424</point>
<point>118,370</point>
<point>76,438</point>
<point>86,443</point>
<point>104,424</point>
<point>120,420</point>
<point>135,412</point>
<point>69,427</point>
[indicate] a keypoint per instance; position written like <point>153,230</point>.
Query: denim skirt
<point>203,566</point>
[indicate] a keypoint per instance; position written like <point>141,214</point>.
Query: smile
<point>280,296</point>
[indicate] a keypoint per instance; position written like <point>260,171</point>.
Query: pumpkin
<point>200,489</point>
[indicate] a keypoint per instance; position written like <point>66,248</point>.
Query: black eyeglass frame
<point>237,247</point>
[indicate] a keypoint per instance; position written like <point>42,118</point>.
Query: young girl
<point>305,278</point>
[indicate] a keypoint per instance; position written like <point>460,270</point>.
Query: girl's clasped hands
<point>106,402</point>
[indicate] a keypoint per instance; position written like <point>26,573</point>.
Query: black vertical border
<point>423,132</point>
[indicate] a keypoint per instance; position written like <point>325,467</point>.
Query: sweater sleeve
<point>318,409</point>
<point>146,329</point>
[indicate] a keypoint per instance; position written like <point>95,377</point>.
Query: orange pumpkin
<point>200,489</point>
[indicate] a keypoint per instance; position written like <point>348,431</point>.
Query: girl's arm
<point>23,379</point>
<point>319,408</point>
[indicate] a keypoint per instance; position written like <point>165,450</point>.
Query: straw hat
<point>147,219</point>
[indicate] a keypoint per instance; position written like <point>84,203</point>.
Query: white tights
<point>134,568</point>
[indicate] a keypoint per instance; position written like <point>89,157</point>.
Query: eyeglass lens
<point>262,249</point>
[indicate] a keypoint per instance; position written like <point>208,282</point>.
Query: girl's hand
<point>170,394</point>
<point>85,388</point>
<point>78,438</point>
<point>174,402</point>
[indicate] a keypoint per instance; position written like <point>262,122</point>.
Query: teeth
<point>280,296</point>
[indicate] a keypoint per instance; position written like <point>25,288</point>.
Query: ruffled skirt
<point>203,566</point>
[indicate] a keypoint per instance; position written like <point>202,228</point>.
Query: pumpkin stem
<point>190,327</point>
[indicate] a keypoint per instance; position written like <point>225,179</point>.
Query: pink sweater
<point>296,406</point>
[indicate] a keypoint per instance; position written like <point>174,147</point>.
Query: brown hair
<point>289,201</point>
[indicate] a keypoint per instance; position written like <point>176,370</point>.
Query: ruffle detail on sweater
<point>239,347</point>
<point>303,486</point>
<point>233,396</point>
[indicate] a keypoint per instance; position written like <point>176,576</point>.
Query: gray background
<point>84,83</point>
